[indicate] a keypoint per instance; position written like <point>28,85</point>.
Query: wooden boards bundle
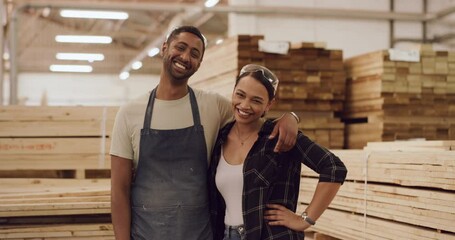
<point>38,139</point>
<point>388,100</point>
<point>312,81</point>
<point>55,209</point>
<point>406,187</point>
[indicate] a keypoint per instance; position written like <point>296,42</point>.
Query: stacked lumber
<point>55,209</point>
<point>405,187</point>
<point>47,155</point>
<point>59,232</point>
<point>390,100</point>
<point>47,141</point>
<point>312,81</point>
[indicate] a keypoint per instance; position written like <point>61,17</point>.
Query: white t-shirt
<point>215,111</point>
<point>229,181</point>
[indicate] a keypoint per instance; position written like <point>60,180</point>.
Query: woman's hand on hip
<point>278,215</point>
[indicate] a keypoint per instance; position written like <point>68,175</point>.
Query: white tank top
<point>229,181</point>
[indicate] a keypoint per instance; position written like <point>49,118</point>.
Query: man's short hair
<point>194,30</point>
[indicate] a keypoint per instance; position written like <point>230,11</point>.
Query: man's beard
<point>177,77</point>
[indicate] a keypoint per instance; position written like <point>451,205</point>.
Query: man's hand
<point>286,128</point>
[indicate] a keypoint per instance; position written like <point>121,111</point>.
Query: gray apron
<point>169,194</point>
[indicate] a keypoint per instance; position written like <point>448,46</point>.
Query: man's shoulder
<point>133,105</point>
<point>210,96</point>
<point>206,93</point>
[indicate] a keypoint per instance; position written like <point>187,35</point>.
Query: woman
<point>254,190</point>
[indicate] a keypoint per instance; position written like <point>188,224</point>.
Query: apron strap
<point>149,110</point>
<point>194,108</point>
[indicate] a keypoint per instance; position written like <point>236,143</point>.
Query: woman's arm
<point>332,173</point>
<point>121,174</point>
<point>279,215</point>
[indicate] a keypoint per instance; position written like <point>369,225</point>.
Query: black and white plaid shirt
<point>271,177</point>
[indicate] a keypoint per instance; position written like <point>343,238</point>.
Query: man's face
<point>182,56</point>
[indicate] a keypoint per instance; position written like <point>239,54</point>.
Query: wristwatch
<point>307,219</point>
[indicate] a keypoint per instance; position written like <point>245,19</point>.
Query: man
<point>160,148</point>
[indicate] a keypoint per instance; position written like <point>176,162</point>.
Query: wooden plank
<point>55,128</point>
<point>58,231</point>
<point>54,161</point>
<point>52,146</point>
<point>411,145</point>
<point>54,197</point>
<point>49,113</point>
<point>354,226</point>
<point>358,166</point>
<point>420,207</point>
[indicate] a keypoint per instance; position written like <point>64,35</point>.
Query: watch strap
<point>307,219</point>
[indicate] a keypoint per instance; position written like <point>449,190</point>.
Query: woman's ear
<point>269,105</point>
<point>267,108</point>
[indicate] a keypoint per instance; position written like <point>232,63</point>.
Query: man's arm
<point>121,174</point>
<point>286,127</point>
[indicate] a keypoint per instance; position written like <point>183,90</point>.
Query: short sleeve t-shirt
<point>215,111</point>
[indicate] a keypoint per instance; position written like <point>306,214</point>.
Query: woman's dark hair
<point>190,29</point>
<point>260,77</point>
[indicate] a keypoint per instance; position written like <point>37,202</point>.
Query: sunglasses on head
<point>266,73</point>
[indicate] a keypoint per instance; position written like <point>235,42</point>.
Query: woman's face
<point>249,100</point>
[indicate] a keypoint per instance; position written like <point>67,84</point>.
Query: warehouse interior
<point>373,81</point>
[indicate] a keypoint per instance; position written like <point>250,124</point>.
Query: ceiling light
<point>219,41</point>
<point>93,14</point>
<point>136,65</point>
<point>153,52</point>
<point>211,3</point>
<point>91,57</point>
<point>46,12</point>
<point>71,68</point>
<point>124,75</point>
<point>83,39</point>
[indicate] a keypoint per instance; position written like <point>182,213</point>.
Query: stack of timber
<point>55,209</point>
<point>55,141</point>
<point>391,100</point>
<point>47,157</point>
<point>394,190</point>
<point>312,82</point>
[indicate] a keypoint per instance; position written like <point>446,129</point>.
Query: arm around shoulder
<point>225,109</point>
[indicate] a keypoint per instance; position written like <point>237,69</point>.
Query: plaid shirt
<point>271,177</point>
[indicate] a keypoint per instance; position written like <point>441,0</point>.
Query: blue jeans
<point>234,232</point>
